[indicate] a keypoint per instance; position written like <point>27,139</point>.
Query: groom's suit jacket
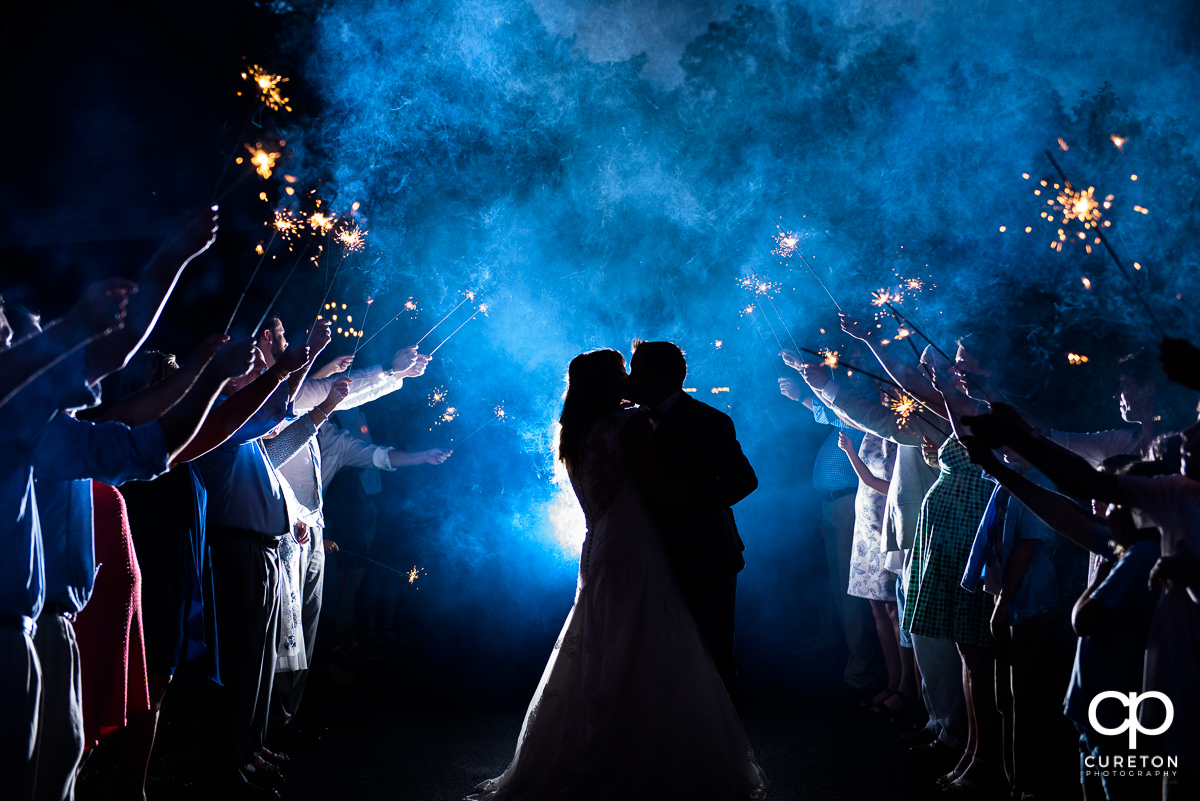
<point>700,451</point>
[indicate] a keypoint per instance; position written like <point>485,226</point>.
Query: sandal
<point>897,703</point>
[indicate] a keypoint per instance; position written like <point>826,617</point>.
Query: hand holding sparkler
<point>791,358</point>
<point>999,427</point>
<point>433,456</point>
<point>337,365</point>
<point>790,388</point>
<point>407,363</point>
<point>854,327</point>
<point>100,311</point>
<point>234,359</point>
<point>814,375</point>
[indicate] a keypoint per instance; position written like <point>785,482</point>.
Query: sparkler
<point>263,160</point>
<point>1075,358</point>
<point>749,312</point>
<point>903,406</point>
<point>437,396</point>
<point>411,575</point>
<point>261,257</point>
<point>829,358</point>
<point>785,243</point>
<point>1112,253</point>
<point>909,324</point>
<point>483,307</point>
<point>410,305</point>
<point>881,379</point>
<point>351,238</point>
<point>358,344</point>
<point>468,295</point>
<point>278,292</point>
<point>836,305</point>
<point>268,87</point>
<point>766,289</point>
<point>447,416</point>
<point>498,413</point>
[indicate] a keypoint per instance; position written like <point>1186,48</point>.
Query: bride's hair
<point>590,396</point>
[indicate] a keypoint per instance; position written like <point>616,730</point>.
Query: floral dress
<point>936,604</point>
<point>869,576</point>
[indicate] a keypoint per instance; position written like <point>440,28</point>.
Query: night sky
<point>596,172</point>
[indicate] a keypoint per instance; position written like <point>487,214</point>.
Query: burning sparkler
<point>446,416</point>
<point>363,327</point>
<point>830,358</point>
<point>785,244</point>
<point>414,574</point>
<point>268,87</point>
<point>498,413</point>
<point>903,406</point>
<point>1075,358</point>
<point>263,160</point>
<point>352,238</point>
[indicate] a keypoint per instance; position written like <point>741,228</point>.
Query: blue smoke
<point>603,171</point>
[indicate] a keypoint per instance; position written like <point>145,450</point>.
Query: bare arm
<point>864,474</point>
<point>155,285</point>
<point>910,378</point>
<point>405,459</point>
<point>151,402</point>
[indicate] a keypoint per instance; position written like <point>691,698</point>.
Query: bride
<point>630,705</point>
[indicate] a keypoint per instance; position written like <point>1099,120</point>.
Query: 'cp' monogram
<point>1133,701</point>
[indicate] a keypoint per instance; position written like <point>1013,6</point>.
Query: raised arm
<point>1070,473</point>
<point>234,413</point>
<point>915,382</point>
<point>101,311</point>
<point>149,403</point>
<point>155,285</point>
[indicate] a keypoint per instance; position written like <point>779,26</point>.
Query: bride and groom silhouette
<point>636,700</point>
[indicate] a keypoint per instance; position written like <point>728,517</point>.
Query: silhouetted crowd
<point>213,548</point>
<point>1022,600</point>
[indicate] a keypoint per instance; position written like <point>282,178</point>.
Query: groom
<point>702,458</point>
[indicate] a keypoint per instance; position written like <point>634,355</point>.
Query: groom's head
<point>657,369</point>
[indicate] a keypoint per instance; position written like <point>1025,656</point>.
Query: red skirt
<point>112,650</point>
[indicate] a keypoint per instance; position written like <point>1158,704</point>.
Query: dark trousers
<point>246,585</point>
<point>20,697</point>
<point>711,603</point>
<point>1041,652</point>
<point>289,686</point>
<point>60,727</point>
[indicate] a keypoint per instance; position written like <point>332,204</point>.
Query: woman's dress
<point>936,603</point>
<point>869,575</point>
<point>630,704</point>
<point>112,651</point>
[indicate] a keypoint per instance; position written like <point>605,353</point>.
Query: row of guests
<point>224,461</point>
<point>976,567</point>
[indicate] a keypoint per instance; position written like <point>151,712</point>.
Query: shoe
<point>276,758</point>
<point>293,735</point>
<point>259,780</point>
<point>921,736</point>
<point>933,751</point>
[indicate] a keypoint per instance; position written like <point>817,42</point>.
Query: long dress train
<point>630,705</point>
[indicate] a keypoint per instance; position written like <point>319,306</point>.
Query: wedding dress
<point>629,705</point>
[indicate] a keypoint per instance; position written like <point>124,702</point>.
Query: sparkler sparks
<point>719,390</point>
<point>882,297</point>
<point>268,87</point>
<point>448,416</point>
<point>904,406</point>
<point>830,358</point>
<point>414,574</point>
<point>287,224</point>
<point>1076,358</point>
<point>322,222</point>
<point>760,286</point>
<point>352,238</point>
<point>437,397</point>
<point>263,160</point>
<point>785,244</point>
